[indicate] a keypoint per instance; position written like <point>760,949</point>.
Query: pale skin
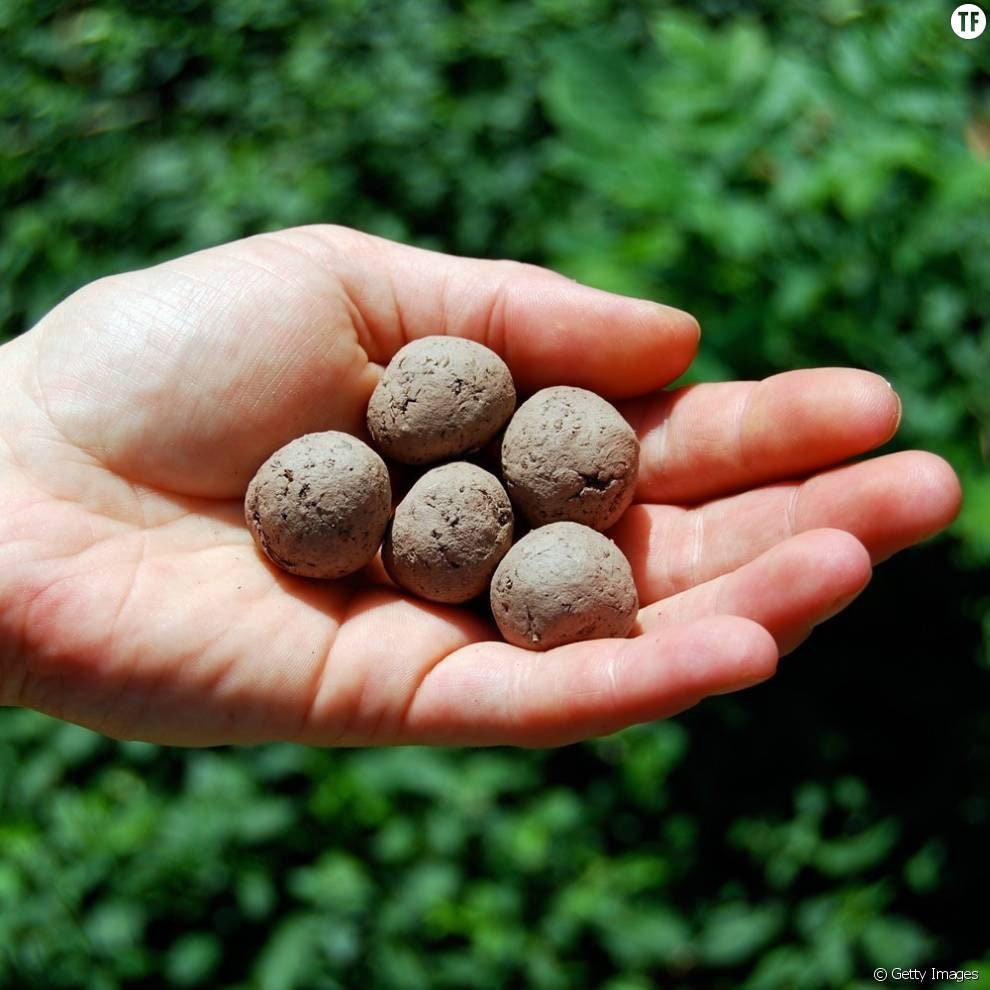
<point>133,601</point>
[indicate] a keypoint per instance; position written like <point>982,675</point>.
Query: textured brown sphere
<point>318,507</point>
<point>560,584</point>
<point>449,533</point>
<point>440,397</point>
<point>568,455</point>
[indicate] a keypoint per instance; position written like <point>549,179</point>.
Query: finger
<point>548,328</point>
<point>493,693</point>
<point>887,503</point>
<point>703,441</point>
<point>788,590</point>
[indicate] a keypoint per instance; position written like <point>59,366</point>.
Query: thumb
<point>548,328</point>
<point>187,375</point>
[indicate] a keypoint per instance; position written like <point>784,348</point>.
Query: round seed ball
<point>560,584</point>
<point>449,533</point>
<point>567,454</point>
<point>439,397</point>
<point>318,507</point>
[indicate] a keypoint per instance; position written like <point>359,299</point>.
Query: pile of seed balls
<point>321,506</point>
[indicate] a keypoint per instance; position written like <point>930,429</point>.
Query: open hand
<point>133,601</point>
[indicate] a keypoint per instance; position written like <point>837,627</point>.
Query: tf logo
<point>968,21</point>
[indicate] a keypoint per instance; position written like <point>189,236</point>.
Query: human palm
<point>133,601</point>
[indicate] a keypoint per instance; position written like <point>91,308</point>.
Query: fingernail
<point>900,406</point>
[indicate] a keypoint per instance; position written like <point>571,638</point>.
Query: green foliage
<point>813,181</point>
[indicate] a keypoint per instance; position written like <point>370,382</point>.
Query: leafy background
<point>813,181</point>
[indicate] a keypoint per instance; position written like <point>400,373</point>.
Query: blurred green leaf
<point>735,932</point>
<point>192,959</point>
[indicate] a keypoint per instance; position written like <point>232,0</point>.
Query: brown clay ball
<point>568,455</point>
<point>318,507</point>
<point>560,584</point>
<point>440,397</point>
<point>449,533</point>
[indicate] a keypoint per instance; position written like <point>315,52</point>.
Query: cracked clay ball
<point>568,455</point>
<point>560,584</point>
<point>449,533</point>
<point>318,507</point>
<point>439,397</point>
